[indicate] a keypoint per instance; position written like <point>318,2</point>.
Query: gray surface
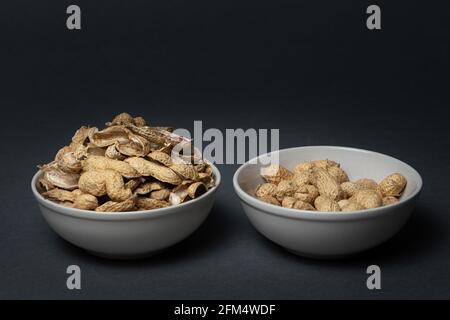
<point>226,258</point>
<point>321,81</point>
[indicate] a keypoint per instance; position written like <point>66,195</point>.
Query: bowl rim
<point>321,215</point>
<point>127,215</point>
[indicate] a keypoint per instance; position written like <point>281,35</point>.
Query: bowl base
<point>125,256</point>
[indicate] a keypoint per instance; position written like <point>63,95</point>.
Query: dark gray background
<point>310,68</point>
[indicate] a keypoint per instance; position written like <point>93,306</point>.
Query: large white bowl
<point>126,234</point>
<point>325,234</point>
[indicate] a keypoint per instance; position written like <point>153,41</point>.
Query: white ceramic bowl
<point>325,234</point>
<point>126,234</point>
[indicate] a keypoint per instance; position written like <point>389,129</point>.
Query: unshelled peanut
<point>322,185</point>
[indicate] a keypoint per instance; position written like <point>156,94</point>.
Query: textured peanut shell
<point>148,168</point>
<point>176,198</point>
<point>112,153</point>
<point>326,184</point>
<point>285,188</point>
<point>370,184</point>
<point>183,185</point>
<point>115,186</point>
<point>302,177</point>
<point>288,202</point>
<point>342,203</point>
<point>275,173</point>
<point>324,203</point>
<point>122,118</point>
<point>45,184</point>
<point>59,195</point>
<point>367,183</point>
<point>80,151</point>
<point>93,150</point>
<point>139,122</point>
<point>208,170</point>
<point>61,152</point>
<point>303,166</point>
<point>207,179</point>
<point>101,182</point>
<point>93,182</point>
<point>136,146</point>
<point>196,189</point>
<point>132,184</point>
<point>302,205</point>
<point>352,206</point>
<point>307,193</point>
<point>368,198</point>
<point>393,185</point>
<point>158,136</point>
<point>338,174</point>
<point>67,204</point>
<point>149,187</point>
<point>269,199</point>
<point>59,178</point>
<point>110,136</point>
<point>148,203</point>
<point>180,193</point>
<point>389,200</point>
<point>113,206</point>
<point>77,192</point>
<point>103,163</point>
<point>350,188</point>
<point>161,157</point>
<point>69,163</point>
<point>85,202</point>
<point>324,164</point>
<point>83,134</point>
<point>187,171</point>
<point>308,165</point>
<point>265,189</point>
<point>200,167</point>
<point>312,190</point>
<point>162,194</point>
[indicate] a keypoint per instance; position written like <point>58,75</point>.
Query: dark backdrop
<point>309,68</point>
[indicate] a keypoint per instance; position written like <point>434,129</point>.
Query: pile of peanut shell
<point>126,166</point>
<point>322,185</point>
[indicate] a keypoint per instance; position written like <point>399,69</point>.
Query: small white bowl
<point>325,234</point>
<point>125,235</point>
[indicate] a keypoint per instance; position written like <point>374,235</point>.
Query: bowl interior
<point>357,163</point>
